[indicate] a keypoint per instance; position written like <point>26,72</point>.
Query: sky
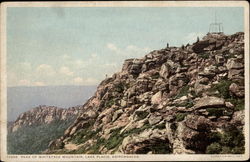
<point>79,46</point>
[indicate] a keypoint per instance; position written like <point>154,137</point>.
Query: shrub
<point>203,55</point>
<point>84,136</point>
<point>160,147</point>
<point>155,76</point>
<point>231,141</point>
<point>110,102</point>
<point>238,150</point>
<point>173,126</point>
<point>186,104</point>
<point>214,148</point>
<point>161,126</point>
<point>137,130</point>
<point>94,149</point>
<point>215,136</point>
<point>215,111</point>
<point>183,92</point>
<point>239,103</point>
<point>227,139</point>
<point>180,116</point>
<point>120,87</point>
<point>141,114</point>
<point>225,150</point>
<point>223,88</point>
<point>114,139</point>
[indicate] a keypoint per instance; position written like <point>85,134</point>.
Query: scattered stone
<point>237,90</point>
<point>156,98</point>
<point>209,102</point>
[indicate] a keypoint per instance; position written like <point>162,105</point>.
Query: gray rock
<point>199,123</point>
<point>219,59</point>
<point>237,90</point>
<point>153,119</point>
<point>117,114</point>
<point>209,102</point>
<point>234,63</point>
<point>199,46</point>
<point>165,71</point>
<point>156,98</point>
<point>235,73</point>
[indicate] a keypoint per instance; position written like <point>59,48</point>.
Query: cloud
<point>94,55</point>
<point>66,71</point>
<point>24,82</point>
<point>129,51</point>
<point>39,84</point>
<point>112,64</point>
<point>66,57</point>
<point>90,81</point>
<point>82,81</point>
<point>112,47</point>
<point>132,47</point>
<point>136,50</point>
<point>25,65</point>
<point>192,37</point>
<point>45,69</point>
<point>78,80</point>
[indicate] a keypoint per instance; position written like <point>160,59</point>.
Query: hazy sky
<point>79,46</point>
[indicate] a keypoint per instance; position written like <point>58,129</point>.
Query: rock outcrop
<point>172,100</point>
<point>44,115</point>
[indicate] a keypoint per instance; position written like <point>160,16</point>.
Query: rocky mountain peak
<point>168,101</point>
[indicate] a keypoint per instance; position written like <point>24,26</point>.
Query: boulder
<point>165,71</point>
<point>199,123</point>
<point>145,142</point>
<point>209,102</point>
<point>156,98</point>
<point>199,46</point>
<point>153,119</point>
<point>237,90</point>
<point>219,59</point>
<point>234,63</point>
<point>194,140</point>
<point>126,65</point>
<point>117,114</point>
<point>238,118</point>
<point>235,73</point>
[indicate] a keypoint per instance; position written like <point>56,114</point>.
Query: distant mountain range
<point>21,99</point>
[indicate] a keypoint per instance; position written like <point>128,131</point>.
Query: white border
<point>196,157</point>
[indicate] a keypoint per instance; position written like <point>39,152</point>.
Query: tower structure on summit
<point>216,27</point>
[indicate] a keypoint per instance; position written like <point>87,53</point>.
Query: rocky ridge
<point>44,115</point>
<point>174,100</point>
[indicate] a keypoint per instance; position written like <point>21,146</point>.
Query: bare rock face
<point>171,100</point>
<point>44,115</point>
